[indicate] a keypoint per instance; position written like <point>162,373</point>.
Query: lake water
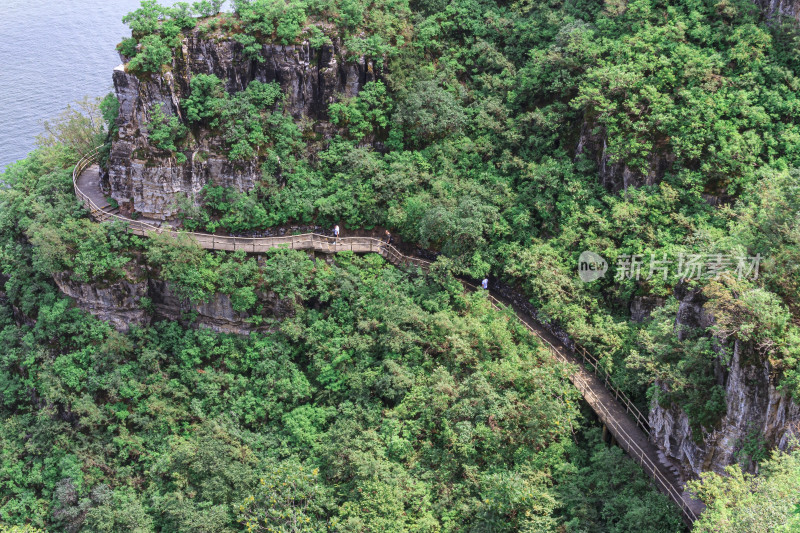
<point>53,53</point>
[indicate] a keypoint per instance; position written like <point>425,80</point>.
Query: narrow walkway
<point>611,412</point>
<point>624,421</point>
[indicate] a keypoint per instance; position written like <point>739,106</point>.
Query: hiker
<point>485,284</point>
<point>388,236</point>
<point>336,232</point>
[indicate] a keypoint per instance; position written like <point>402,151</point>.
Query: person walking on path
<point>485,284</point>
<point>388,237</point>
<point>336,233</point>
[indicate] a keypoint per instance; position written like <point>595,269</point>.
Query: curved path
<point>626,423</point>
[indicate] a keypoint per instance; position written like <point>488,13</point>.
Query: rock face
<point>117,304</point>
<point>642,306</point>
<point>755,409</point>
<point>615,177</point>
<point>120,304</point>
<point>778,9</point>
<point>147,179</point>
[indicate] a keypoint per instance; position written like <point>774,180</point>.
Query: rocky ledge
<point>144,178</point>
<point>127,303</point>
<point>757,414</point>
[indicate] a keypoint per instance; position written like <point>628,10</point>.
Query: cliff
<point>757,416</point>
<point>617,176</point>
<point>137,302</point>
<point>143,178</point>
<point>779,9</point>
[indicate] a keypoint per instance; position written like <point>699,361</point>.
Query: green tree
<point>739,502</point>
<point>251,48</point>
<point>429,112</point>
<point>82,126</point>
<point>286,499</point>
<point>145,20</point>
<point>201,104</point>
<point>166,132</point>
<point>365,114</point>
<point>208,8</point>
<point>153,53</point>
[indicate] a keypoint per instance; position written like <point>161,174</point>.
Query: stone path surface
<point>603,400</point>
<point>89,183</point>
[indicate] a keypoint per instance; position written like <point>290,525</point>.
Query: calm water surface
<point>53,53</point>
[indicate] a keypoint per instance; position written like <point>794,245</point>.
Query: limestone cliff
<point>144,178</point>
<point>779,9</point>
<point>123,304</point>
<point>755,410</point>
<point>618,176</point>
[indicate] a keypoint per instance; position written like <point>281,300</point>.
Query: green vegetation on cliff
<point>384,401</point>
<point>510,136</point>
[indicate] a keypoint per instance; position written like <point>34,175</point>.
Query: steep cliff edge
<point>137,302</point>
<point>778,9</point>
<point>147,179</point>
<point>757,416</point>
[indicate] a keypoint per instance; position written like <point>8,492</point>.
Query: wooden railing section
<point>325,244</point>
<point>581,380</point>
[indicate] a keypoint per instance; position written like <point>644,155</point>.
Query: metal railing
<point>629,443</point>
<point>305,241</point>
<point>631,446</point>
<point>591,362</point>
<point>326,244</point>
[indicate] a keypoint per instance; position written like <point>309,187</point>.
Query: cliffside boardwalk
<point>626,423</point>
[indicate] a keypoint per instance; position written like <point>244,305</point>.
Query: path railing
<point>326,244</point>
<point>627,441</point>
<point>591,361</point>
<point>305,241</point>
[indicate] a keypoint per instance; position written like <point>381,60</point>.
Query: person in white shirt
<point>485,283</point>
<point>336,232</point>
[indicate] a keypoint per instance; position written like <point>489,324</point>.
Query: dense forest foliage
<point>510,136</point>
<point>387,401</point>
<point>513,136</point>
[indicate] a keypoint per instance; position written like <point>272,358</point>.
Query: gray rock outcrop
<point>779,9</point>
<point>121,304</point>
<point>144,178</point>
<point>755,411</point>
<point>618,176</point>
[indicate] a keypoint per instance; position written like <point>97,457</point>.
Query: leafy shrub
<point>153,54</point>
<point>182,14</point>
<point>128,47</point>
<point>364,114</point>
<point>269,17</point>
<point>739,502</point>
<point>373,47</point>
<point>145,20</point>
<point>207,8</point>
<point>245,119</point>
<point>166,132</point>
<point>252,49</point>
<point>429,112</point>
<point>316,37</point>
<point>206,90</point>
